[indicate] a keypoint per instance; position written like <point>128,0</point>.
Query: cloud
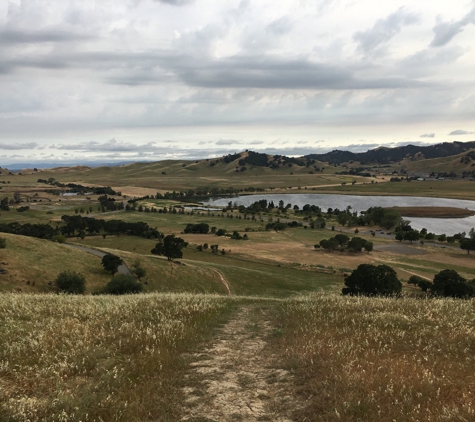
<point>427,135</point>
<point>228,142</point>
<point>444,32</point>
<point>460,132</point>
<point>383,30</point>
<point>277,73</point>
<point>109,146</point>
<point>10,36</point>
<point>256,142</point>
<point>176,2</point>
<point>14,147</point>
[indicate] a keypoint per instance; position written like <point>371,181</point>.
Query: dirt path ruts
<point>224,281</point>
<point>236,377</point>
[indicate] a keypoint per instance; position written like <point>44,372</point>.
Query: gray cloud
<point>11,36</point>
<point>460,132</point>
<point>444,32</point>
<point>427,135</point>
<point>383,30</point>
<point>13,147</point>
<point>109,146</point>
<point>228,142</point>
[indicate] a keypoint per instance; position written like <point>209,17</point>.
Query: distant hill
<point>384,155</point>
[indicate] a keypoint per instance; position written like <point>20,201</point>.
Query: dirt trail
<point>236,377</point>
<point>224,281</point>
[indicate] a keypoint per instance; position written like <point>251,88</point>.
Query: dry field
<point>368,359</point>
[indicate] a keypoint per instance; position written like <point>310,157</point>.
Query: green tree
<point>171,247</point>
<point>449,283</point>
<point>3,243</point>
<point>372,280</point>
<point>70,282</point>
<point>411,235</point>
<point>111,263</point>
<point>139,271</point>
<point>467,244</point>
<point>122,284</point>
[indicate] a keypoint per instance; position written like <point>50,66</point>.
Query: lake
<point>358,203</point>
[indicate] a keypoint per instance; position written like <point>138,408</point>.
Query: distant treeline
<point>75,188</point>
<point>76,225</point>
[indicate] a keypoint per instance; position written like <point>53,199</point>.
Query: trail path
<point>237,378</point>
<point>223,280</point>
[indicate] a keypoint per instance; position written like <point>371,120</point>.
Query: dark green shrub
<point>70,282</point>
<point>122,284</point>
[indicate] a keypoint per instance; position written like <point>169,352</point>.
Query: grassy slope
<point>39,261</point>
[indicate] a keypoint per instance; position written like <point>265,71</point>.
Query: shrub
<point>122,284</point>
<point>3,243</point>
<point>70,282</point>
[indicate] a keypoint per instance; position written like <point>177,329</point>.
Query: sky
<point>145,80</point>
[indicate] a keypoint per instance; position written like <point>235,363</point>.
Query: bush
<point>122,284</point>
<point>70,282</point>
<point>3,243</point>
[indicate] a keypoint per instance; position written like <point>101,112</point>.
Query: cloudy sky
<point>122,80</point>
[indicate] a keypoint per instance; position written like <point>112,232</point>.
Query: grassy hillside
<point>32,263</point>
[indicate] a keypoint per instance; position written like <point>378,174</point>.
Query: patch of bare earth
<point>237,377</point>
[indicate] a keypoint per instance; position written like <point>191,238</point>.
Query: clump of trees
<point>372,280</point>
<point>70,282</point>
<point>343,242</point>
<point>202,228</point>
<point>171,247</point>
<point>446,283</point>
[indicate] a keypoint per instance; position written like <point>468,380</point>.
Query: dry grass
<point>88,358</point>
<point>368,359</point>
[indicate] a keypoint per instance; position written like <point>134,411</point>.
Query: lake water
<point>448,226</point>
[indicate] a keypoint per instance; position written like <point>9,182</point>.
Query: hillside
<point>384,155</point>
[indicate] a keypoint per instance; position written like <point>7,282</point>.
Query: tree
<point>467,244</point>
<point>411,235</point>
<point>4,204</point>
<point>70,282</point>
<point>449,283</point>
<point>171,247</point>
<point>372,280</point>
<point>342,239</point>
<point>111,263</point>
<point>3,243</point>
<point>122,284</point>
